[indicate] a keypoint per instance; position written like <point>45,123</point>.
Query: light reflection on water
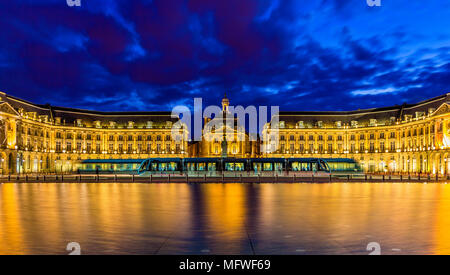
<point>135,218</point>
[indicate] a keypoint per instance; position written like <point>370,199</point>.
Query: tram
<point>226,166</point>
<point>344,166</point>
<point>109,166</point>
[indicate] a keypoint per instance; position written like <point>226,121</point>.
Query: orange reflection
<point>226,211</point>
<point>11,229</point>
<point>442,224</point>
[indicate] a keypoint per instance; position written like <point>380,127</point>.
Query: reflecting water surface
<point>107,218</point>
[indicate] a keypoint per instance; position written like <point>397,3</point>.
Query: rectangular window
<point>392,146</point>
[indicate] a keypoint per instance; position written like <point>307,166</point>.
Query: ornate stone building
<point>43,138</point>
<point>225,139</point>
<point>406,138</point>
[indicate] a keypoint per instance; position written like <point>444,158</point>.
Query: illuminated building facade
<point>43,138</point>
<point>406,138</point>
<point>225,139</point>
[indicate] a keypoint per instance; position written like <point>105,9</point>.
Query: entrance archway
<point>11,165</point>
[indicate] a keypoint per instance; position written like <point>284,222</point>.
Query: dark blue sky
<point>152,55</point>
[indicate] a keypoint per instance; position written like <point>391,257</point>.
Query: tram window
<point>234,166</point>
<point>163,167</point>
<point>301,166</point>
<point>211,167</point>
<point>154,166</point>
<point>229,166</point>
<point>191,166</point>
<point>201,166</point>
<point>172,166</point>
<point>323,166</point>
<point>278,166</point>
<point>268,166</point>
<point>295,166</point>
<point>306,166</point>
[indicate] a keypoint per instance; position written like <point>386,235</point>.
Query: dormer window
<point>354,124</point>
<point>149,124</point>
<point>112,124</point>
<point>338,124</point>
<point>130,125</point>
<point>43,118</point>
<point>79,122</point>
<point>301,124</point>
<point>320,124</point>
<point>373,122</point>
<point>431,110</point>
<point>420,114</point>
<point>98,124</point>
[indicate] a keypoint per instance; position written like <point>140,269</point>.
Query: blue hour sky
<point>152,55</point>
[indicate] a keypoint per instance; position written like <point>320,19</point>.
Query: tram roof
<point>325,159</point>
<point>339,160</point>
<point>267,159</point>
<point>196,160</point>
<point>163,159</point>
<point>112,161</point>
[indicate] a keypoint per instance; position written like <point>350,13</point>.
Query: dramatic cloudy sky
<point>152,55</point>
